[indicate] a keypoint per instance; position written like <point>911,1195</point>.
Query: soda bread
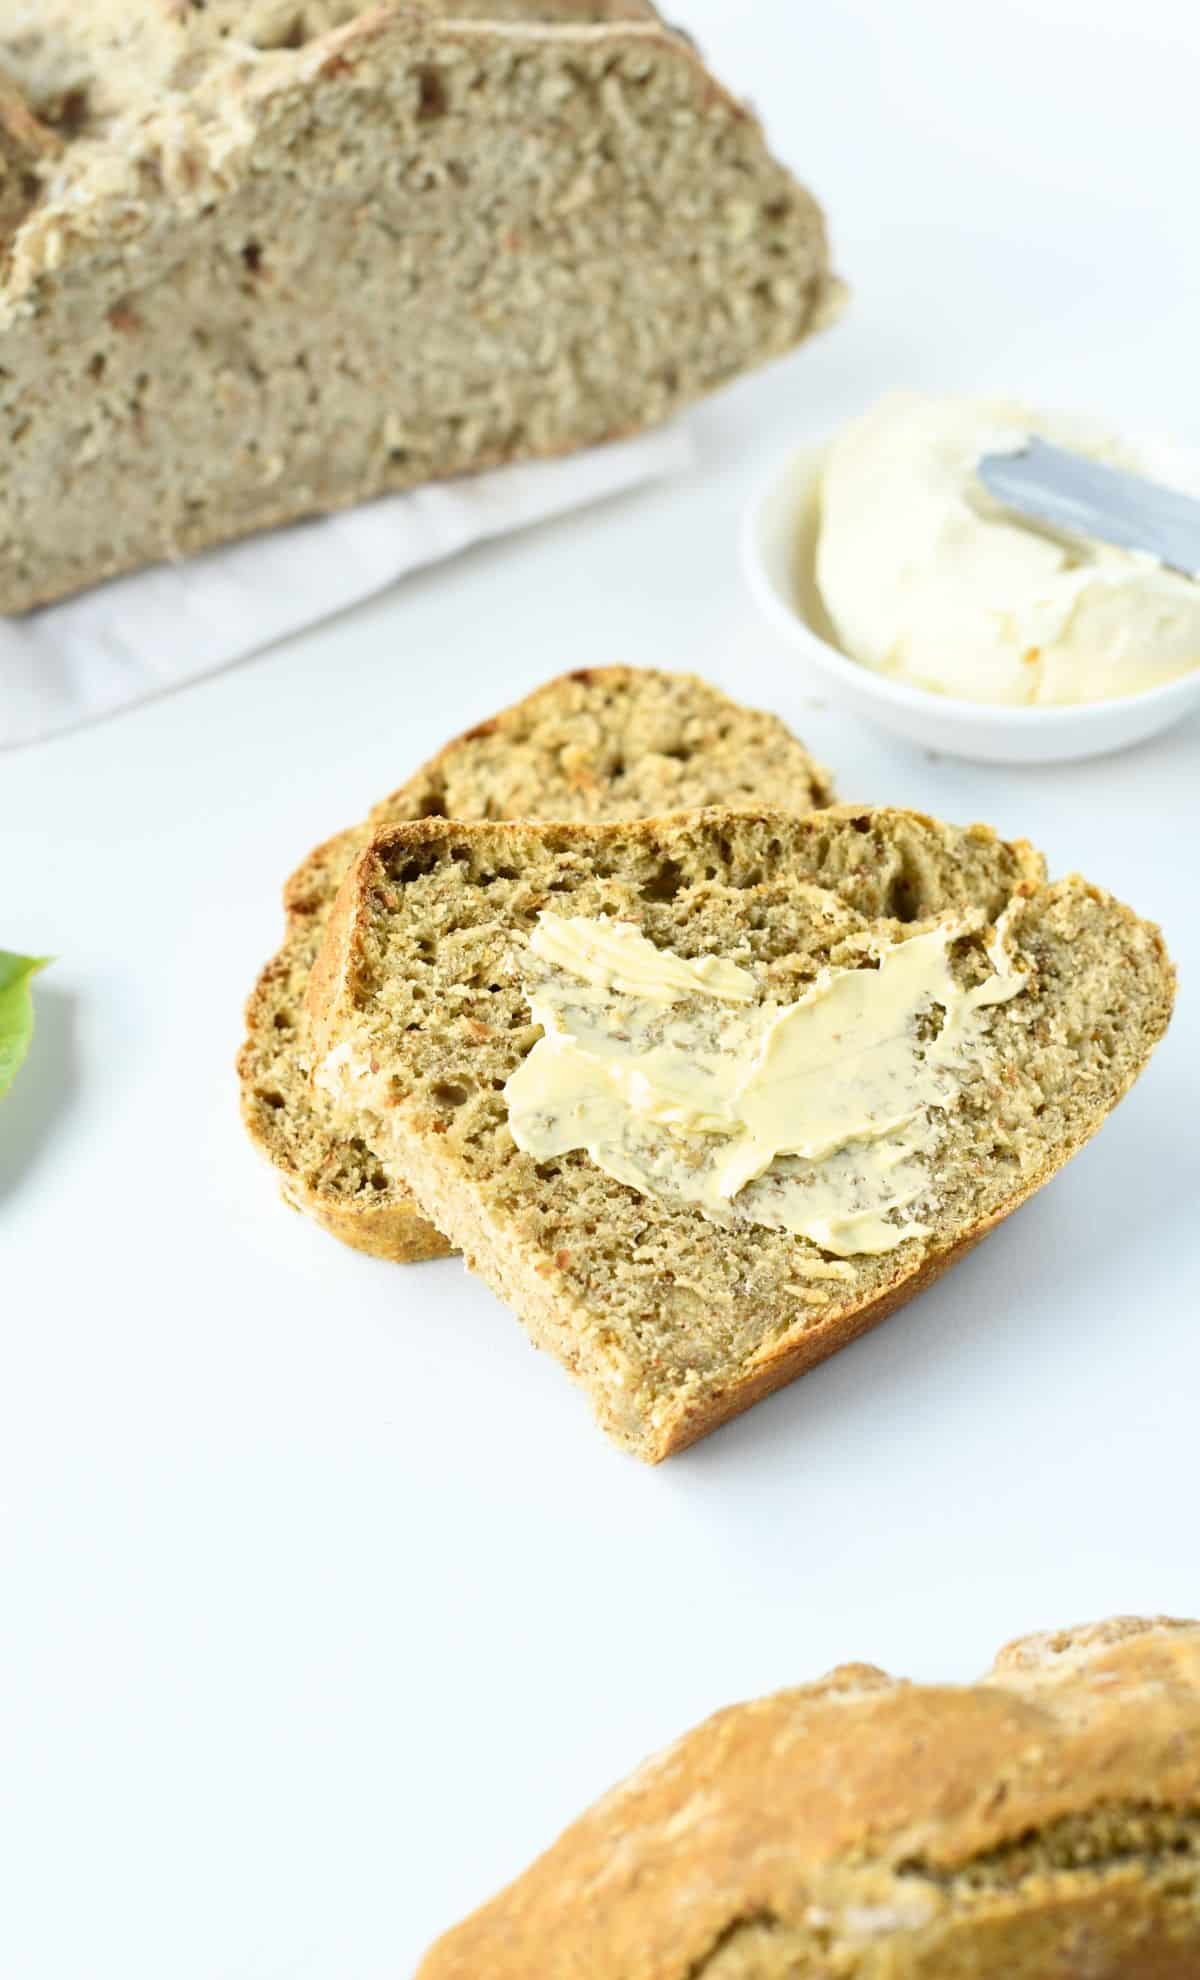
<point>612,742</point>
<point>673,1324</point>
<point>1041,1825</point>
<point>26,145</point>
<point>261,260</point>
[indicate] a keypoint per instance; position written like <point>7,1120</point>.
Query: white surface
<point>324,1604</point>
<point>143,635</point>
<point>778,543</point>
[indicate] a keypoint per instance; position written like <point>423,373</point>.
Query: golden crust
<point>787,1360</point>
<point>1041,1825</point>
<point>394,1231</point>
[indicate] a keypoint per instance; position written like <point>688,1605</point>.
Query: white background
<point>324,1605</point>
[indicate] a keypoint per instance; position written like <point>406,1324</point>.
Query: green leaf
<point>16,1011</point>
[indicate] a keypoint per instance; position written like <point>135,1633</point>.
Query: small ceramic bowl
<point>779,535</point>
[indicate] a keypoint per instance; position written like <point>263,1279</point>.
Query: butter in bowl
<point>922,601</point>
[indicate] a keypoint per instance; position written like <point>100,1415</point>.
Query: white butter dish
<point>778,549</point>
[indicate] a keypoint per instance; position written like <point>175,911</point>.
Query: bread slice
<point>609,742</point>
<point>293,256</point>
<point>672,1323</point>
<point>1045,1822</point>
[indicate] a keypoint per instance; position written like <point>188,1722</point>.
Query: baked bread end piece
<point>1041,1825</point>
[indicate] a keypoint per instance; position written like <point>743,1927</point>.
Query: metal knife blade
<point>1080,497</point>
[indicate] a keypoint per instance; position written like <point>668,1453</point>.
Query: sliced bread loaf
<point>1045,1822</point>
<point>284,257</point>
<point>421,999</point>
<point>604,743</point>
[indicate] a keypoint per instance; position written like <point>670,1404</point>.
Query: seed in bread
<point>423,1016</point>
<point>27,147</point>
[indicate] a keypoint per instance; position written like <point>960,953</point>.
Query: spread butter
<point>684,1079</point>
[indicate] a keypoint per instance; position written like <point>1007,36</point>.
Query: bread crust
<point>787,1361</point>
<point>1041,1825</point>
<point>642,707</point>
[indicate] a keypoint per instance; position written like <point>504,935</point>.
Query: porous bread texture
<point>26,147</point>
<point>1045,1822</point>
<point>264,281</point>
<point>672,1323</point>
<point>85,64</point>
<point>604,742</point>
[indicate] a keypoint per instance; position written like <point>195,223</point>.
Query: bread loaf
<point>607,742</point>
<point>1041,1825</point>
<point>276,258</point>
<point>672,1321</point>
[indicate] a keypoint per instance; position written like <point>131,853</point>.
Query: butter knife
<point>1081,497</point>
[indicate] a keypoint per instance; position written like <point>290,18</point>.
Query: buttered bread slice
<point>705,1097</point>
<point>601,743</point>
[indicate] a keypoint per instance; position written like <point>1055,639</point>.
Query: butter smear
<point>926,579</point>
<point>683,1079</point>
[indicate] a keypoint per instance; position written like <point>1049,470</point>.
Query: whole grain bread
<point>1041,1825</point>
<point>602,743</point>
<point>672,1324</point>
<point>277,258</point>
<point>26,147</point>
